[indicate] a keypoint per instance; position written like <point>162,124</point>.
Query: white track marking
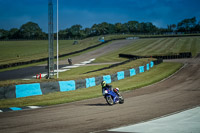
<point>66,68</point>
<point>34,107</point>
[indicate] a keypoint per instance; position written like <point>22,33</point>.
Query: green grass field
<point>80,72</point>
<point>18,51</point>
<point>156,46</point>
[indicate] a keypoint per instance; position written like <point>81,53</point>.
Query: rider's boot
<point>115,90</point>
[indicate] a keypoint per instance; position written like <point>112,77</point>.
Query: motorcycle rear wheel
<point>121,99</point>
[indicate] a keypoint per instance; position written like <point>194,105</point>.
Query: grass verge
<point>159,72</point>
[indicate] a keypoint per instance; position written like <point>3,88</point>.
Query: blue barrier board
<point>102,40</point>
<point>147,67</point>
<point>26,90</point>
<point>67,85</point>
<point>132,72</point>
<point>90,82</point>
<point>141,69</point>
<point>120,75</point>
<point>15,108</point>
<point>107,78</point>
<point>151,64</point>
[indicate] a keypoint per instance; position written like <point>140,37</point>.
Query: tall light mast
<point>50,41</point>
<point>57,42</point>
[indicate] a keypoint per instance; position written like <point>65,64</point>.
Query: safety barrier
<point>172,56</point>
<point>26,90</point>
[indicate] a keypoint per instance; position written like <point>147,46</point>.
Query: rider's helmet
<point>103,83</point>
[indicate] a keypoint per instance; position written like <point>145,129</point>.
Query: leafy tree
<point>125,28</point>
<point>30,30</point>
<point>63,34</point>
<point>94,30</point>
<point>171,27</point>
<point>3,34</point>
<point>87,32</point>
<point>75,31</point>
<point>186,25</point>
<point>13,33</point>
<point>133,26</point>
<point>111,29</point>
<point>143,27</point>
<point>118,28</point>
<point>197,28</point>
<point>104,28</point>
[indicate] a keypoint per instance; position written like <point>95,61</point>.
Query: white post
<point>57,40</point>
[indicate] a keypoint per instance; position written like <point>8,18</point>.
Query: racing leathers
<point>110,88</point>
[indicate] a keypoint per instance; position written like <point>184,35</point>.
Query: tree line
<point>32,30</point>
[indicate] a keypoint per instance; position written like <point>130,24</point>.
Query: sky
<point>15,13</point>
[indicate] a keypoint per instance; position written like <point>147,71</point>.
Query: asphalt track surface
<point>176,93</point>
<point>187,121</point>
<point>29,72</point>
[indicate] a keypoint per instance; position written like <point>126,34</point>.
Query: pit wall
<point>26,90</point>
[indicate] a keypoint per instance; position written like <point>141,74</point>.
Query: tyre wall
<point>173,56</point>
<point>26,90</point>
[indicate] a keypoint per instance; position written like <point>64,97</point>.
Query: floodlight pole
<point>57,41</point>
<point>50,41</point>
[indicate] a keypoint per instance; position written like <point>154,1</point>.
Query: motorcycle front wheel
<point>109,100</point>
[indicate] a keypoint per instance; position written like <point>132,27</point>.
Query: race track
<point>179,92</point>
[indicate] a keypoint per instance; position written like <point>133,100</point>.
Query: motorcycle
<point>112,97</point>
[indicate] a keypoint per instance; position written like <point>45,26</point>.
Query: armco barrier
<point>25,90</point>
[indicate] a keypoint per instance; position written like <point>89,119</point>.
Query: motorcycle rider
<point>104,86</point>
<point>70,61</point>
